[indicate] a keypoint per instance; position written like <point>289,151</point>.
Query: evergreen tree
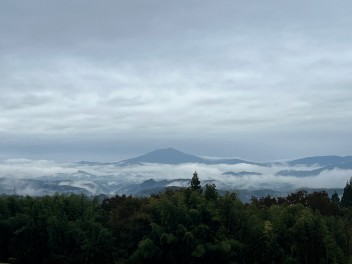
<point>347,194</point>
<point>195,183</point>
<point>210,192</point>
<point>335,198</point>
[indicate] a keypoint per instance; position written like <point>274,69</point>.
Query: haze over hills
<point>326,163</point>
<point>173,156</point>
<point>322,161</point>
<point>171,168</point>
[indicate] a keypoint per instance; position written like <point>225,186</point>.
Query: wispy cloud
<point>273,76</point>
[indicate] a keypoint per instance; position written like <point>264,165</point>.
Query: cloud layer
<point>255,79</point>
<point>93,178</point>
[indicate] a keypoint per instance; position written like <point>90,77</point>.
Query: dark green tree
<point>210,192</point>
<point>336,201</point>
<point>195,183</point>
<point>335,198</point>
<point>347,194</point>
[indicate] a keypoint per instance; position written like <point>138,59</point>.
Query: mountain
<point>163,156</point>
<point>242,173</point>
<point>315,172</point>
<point>324,162</point>
<point>297,173</point>
<point>173,156</point>
<point>321,161</point>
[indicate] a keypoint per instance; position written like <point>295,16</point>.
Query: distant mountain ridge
<point>163,156</point>
<point>173,156</point>
<point>324,162</point>
<point>315,172</point>
<point>242,173</point>
<point>321,161</point>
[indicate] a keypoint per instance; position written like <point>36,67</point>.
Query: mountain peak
<point>164,156</point>
<point>174,156</point>
<point>165,150</point>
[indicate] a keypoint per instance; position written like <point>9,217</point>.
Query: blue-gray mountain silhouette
<point>242,173</point>
<point>164,156</point>
<point>173,156</point>
<point>306,173</point>
<point>321,160</point>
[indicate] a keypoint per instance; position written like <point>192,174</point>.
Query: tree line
<point>188,225</point>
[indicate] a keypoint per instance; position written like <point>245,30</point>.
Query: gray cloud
<point>264,79</point>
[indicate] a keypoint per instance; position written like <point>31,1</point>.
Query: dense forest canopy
<point>189,225</point>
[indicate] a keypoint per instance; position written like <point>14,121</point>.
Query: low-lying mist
<point>40,177</point>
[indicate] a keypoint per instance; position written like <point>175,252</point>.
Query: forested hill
<point>188,225</point>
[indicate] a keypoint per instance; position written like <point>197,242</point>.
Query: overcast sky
<point>106,80</point>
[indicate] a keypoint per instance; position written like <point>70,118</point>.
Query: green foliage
<point>335,198</point>
<point>147,252</point>
<point>210,192</point>
<point>57,229</point>
<point>183,226</point>
<point>195,183</point>
<point>347,194</point>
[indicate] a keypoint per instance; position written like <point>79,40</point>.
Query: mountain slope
<point>173,156</point>
<point>242,173</point>
<point>321,161</point>
<point>163,156</point>
<point>315,172</point>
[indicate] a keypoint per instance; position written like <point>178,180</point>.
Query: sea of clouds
<point>90,176</point>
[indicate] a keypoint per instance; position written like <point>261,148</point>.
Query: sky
<point>108,80</point>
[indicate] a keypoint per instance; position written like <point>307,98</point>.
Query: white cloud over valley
<point>92,177</point>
